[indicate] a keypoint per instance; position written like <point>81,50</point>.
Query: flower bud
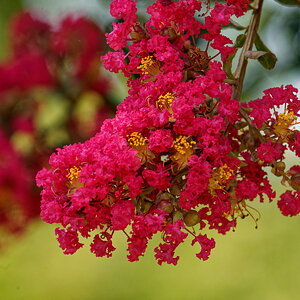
<point>186,47</point>
<point>295,182</point>
<point>280,165</point>
<point>165,206</point>
<point>147,206</point>
<point>276,172</point>
<point>267,131</point>
<point>175,190</point>
<point>240,125</point>
<point>292,137</point>
<point>177,216</point>
<point>164,196</point>
<point>191,218</point>
<point>278,168</point>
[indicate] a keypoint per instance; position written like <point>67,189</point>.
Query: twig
<point>243,60</point>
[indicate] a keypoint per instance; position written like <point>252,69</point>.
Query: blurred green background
<point>250,263</point>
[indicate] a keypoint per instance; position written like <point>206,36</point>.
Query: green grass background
<point>249,264</point>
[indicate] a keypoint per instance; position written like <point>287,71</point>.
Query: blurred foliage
<point>8,8</point>
<point>289,2</point>
<point>52,93</point>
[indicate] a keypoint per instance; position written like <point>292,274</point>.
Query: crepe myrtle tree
<point>183,153</point>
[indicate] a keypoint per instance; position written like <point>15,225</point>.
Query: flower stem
<point>250,38</point>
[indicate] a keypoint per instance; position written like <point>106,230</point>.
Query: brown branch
<point>243,60</point>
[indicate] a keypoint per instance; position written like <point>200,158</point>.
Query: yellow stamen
<point>181,144</point>
<point>136,139</point>
<point>149,66</point>
<point>73,174</point>
<point>165,101</point>
<point>183,151</point>
<point>225,172</point>
<point>146,63</point>
<point>219,178</point>
<point>284,121</point>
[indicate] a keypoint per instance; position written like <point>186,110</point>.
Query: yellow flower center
<point>224,173</point>
<point>149,66</point>
<point>182,145</point>
<point>73,174</point>
<point>284,121</point>
<point>136,139</point>
<point>219,178</point>
<point>184,150</point>
<point>165,101</point>
<point>146,62</point>
<point>139,142</point>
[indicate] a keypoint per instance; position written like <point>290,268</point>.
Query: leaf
<point>289,2</point>
<point>269,59</point>
<point>240,41</point>
<point>227,65</point>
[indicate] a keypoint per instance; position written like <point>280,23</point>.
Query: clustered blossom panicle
<point>178,157</point>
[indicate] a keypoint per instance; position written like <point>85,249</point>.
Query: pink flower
<point>270,152</point>
<point>29,34</point>
<point>122,213</point>
<point>173,237</point>
<point>80,40</point>
<point>289,203</point>
<point>206,246</point>
<point>125,9</point>
<point>68,240</point>
<point>101,247</point>
<point>239,6</point>
<point>160,140</point>
<point>114,62</point>
<point>159,179</point>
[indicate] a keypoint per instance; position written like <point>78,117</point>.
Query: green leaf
<point>289,2</point>
<point>267,60</point>
<point>227,65</point>
<point>240,41</point>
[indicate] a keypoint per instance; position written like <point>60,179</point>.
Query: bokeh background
<point>249,263</point>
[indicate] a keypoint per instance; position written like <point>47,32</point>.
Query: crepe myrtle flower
<point>181,155</point>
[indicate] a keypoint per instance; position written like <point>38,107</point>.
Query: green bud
<point>191,218</point>
<point>177,215</point>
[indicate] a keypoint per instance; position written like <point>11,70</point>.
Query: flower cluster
<point>181,155</point>
<point>39,107</point>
